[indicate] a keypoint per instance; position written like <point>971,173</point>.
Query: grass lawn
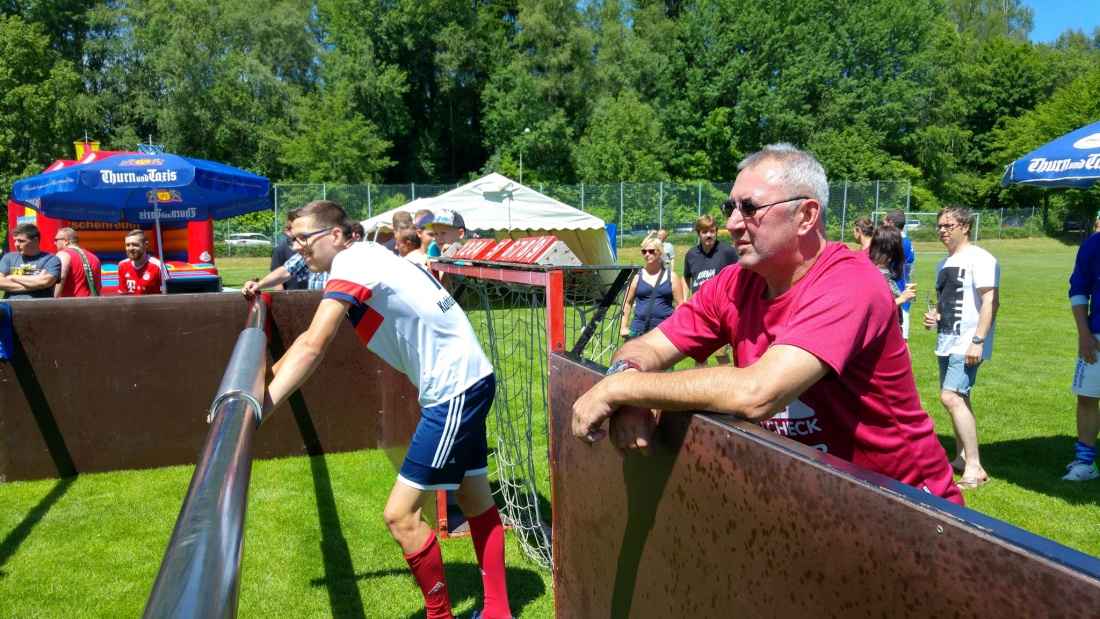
<point>316,545</point>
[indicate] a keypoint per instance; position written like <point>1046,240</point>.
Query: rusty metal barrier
<point>730,520</point>
<point>83,389</point>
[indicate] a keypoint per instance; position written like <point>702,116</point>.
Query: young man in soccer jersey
<point>404,316</point>
<point>140,273</point>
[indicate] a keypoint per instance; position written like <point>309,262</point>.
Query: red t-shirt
<point>145,279</point>
<point>76,283</point>
<point>866,410</point>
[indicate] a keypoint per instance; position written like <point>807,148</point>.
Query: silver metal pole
<point>200,573</point>
<point>661,204</point>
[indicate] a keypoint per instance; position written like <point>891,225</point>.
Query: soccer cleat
<point>1079,471</point>
<point>477,615</point>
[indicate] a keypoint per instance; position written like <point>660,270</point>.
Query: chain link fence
<point>636,208</point>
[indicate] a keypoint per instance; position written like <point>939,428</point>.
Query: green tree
<point>38,91</point>
<point>624,142</point>
<point>333,142</point>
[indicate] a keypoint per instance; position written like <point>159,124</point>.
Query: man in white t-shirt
<point>964,317</point>
<point>409,320</point>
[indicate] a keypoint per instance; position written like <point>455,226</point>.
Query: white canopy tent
<point>511,210</point>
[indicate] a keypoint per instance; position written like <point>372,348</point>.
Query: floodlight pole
<point>526,130</point>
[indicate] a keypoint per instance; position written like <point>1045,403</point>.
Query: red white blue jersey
<point>145,279</point>
<point>406,317</point>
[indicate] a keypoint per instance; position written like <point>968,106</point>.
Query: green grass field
<point>316,546</point>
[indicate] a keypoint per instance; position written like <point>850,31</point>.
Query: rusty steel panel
<point>729,520</point>
<point>102,384</point>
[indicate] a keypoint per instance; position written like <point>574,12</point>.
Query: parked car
<point>913,224</point>
<point>1073,223</point>
<point>1014,222</point>
<point>248,238</point>
<point>687,227</point>
<point>643,229</point>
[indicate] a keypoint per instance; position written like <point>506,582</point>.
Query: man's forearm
<point>7,284</point>
<point>987,314</point>
<point>274,278</point>
<point>34,282</point>
<point>1081,319</point>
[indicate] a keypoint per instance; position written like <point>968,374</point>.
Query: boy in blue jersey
<point>1084,285</point>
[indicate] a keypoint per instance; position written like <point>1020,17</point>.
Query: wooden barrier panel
<point>729,520</point>
<point>126,383</point>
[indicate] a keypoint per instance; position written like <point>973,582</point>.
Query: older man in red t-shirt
<point>76,266</point>
<point>818,355</point>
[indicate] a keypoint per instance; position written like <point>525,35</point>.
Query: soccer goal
<point>521,314</point>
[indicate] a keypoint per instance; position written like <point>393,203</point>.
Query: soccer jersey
<point>403,314</point>
<point>958,279</point>
<point>1084,283</point>
<point>144,279</point>
<point>866,409</point>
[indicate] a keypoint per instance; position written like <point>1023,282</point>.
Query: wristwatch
<point>622,365</point>
<point>978,340</point>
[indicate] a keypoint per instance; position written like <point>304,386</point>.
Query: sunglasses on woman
<point>650,251</point>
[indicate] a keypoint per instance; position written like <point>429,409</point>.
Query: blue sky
<point>1052,17</point>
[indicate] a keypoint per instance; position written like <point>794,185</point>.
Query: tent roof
<point>511,210</point>
<point>495,202</point>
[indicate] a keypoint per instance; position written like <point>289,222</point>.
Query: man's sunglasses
<point>748,208</point>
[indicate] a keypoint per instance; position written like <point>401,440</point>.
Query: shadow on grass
<point>343,593</point>
<point>1037,464</point>
<point>12,542</point>
<point>464,581</point>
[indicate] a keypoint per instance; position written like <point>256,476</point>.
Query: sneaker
<point>477,615</point>
<point>1079,471</point>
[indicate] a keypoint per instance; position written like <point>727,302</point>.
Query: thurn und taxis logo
<point>164,195</point>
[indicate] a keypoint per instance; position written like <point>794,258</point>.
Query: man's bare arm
<point>305,354</point>
<point>7,284</point>
<point>754,393</point>
<point>986,316</point>
<point>274,278</point>
<point>63,256</point>
<point>35,282</point>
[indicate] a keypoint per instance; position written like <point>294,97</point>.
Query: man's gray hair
<point>802,174</point>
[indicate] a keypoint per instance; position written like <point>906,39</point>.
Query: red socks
<point>427,568</point>
<point>488,535</point>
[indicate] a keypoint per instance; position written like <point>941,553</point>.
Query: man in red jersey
<point>140,273</point>
<point>817,354</point>
<point>80,274</point>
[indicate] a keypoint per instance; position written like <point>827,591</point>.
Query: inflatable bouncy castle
<point>188,247</point>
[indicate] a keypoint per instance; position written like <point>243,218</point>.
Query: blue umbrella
<point>144,188</point>
<point>1072,160</point>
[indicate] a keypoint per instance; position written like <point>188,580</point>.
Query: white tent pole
<point>160,244</point>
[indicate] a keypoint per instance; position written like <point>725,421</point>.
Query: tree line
<point>942,93</point>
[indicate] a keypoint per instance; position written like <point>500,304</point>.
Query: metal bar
<point>608,300</point>
<point>200,573</point>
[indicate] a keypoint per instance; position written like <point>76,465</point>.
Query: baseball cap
<point>447,217</point>
<point>425,221</point>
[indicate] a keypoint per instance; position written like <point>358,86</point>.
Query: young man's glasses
<point>947,227</point>
<point>650,251</point>
<point>302,239</point>
<point>748,208</point>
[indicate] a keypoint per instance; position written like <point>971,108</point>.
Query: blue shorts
<point>956,376</point>
<point>449,443</point>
